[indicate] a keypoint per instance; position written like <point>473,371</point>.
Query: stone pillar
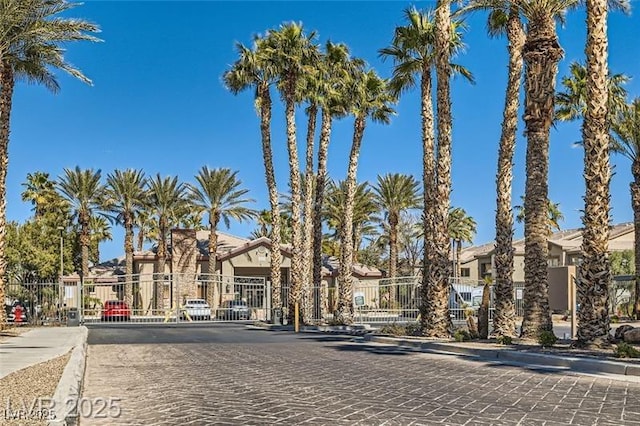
<point>184,252</point>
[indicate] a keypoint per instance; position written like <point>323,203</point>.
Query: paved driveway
<point>224,374</point>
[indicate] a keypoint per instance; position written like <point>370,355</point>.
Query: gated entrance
<point>171,298</point>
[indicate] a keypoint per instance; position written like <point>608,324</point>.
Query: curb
<point>67,394</point>
<point>584,365</point>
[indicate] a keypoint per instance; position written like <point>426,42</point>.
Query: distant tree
<point>86,195</point>
<point>554,216</point>
<point>100,231</point>
<point>462,229</point>
<point>127,199</point>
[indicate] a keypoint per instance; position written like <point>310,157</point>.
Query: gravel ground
<point>20,392</point>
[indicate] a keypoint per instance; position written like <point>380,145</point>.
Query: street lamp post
<point>61,285</point>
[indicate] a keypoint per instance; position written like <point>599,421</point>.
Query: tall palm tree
<point>166,199</point>
<point>541,54</point>
<point>33,31</point>
<point>371,100</point>
<point>504,18</point>
<point>220,194</point>
<point>462,229</point>
<point>413,52</point>
<point>594,272</point>
<point>436,321</point>
<point>292,54</point>
<point>626,131</point>
<point>86,195</point>
<point>251,71</point>
<point>128,197</point>
<point>336,67</point>
<point>394,194</point>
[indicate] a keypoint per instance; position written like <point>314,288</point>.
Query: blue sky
<point>158,104</point>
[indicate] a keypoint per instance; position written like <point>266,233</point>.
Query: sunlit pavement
<point>225,374</point>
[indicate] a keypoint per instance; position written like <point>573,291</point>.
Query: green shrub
<point>547,338</point>
<point>394,330</point>
<point>504,340</point>
<point>615,319</point>
<point>461,335</point>
<point>625,350</point>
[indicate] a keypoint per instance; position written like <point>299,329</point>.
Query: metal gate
<point>173,298</point>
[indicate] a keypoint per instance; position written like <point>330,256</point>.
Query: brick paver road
<point>228,375</point>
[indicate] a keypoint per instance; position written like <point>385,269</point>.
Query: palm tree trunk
<point>6,98</point>
<point>128,262</point>
<point>307,289</point>
<point>212,283</point>
<point>140,242</point>
<point>428,183</point>
<point>541,55</point>
<point>264,100</point>
<point>295,291</point>
<point>393,257</point>
<point>321,177</point>
<point>345,278</point>
<point>438,321</point>
<point>162,259</point>
<point>635,202</point>
<point>594,274</point>
<point>85,240</point>
<point>458,253</point>
<point>504,320</point>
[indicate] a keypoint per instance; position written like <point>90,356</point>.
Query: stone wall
<point>184,252</point>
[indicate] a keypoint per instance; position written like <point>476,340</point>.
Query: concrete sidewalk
<point>36,346</point>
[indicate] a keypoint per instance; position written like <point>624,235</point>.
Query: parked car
<point>234,309</point>
<point>197,309</point>
<point>116,310</point>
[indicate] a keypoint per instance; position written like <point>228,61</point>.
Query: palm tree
<point>594,272</point>
<point>504,18</point>
<point>364,209</point>
<point>146,227</point>
<point>554,216</point>
<point>33,31</point>
<point>414,55</point>
<point>100,231</point>
<point>251,71</point>
<point>219,193</point>
<point>571,104</point>
<point>86,196</point>
<point>436,321</point>
<point>461,229</point>
<point>371,100</point>
<point>336,67</point>
<point>127,196</point>
<point>40,191</point>
<point>166,199</point>
<point>395,194</point>
<point>626,131</point>
<point>292,54</point>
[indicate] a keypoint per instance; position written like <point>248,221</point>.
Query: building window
<point>465,272</point>
<point>485,269</point>
<point>554,261</point>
